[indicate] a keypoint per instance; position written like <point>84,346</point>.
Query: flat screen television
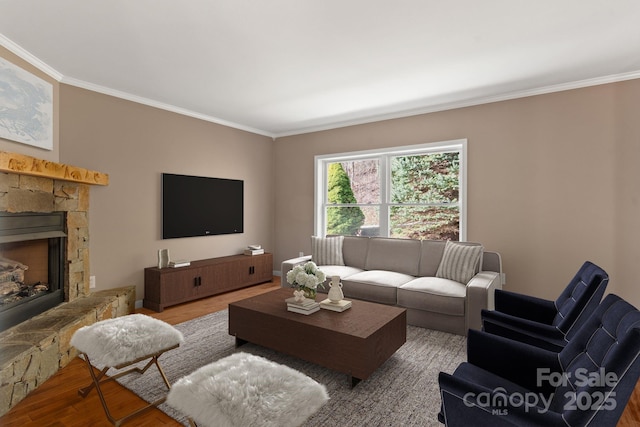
<point>201,206</point>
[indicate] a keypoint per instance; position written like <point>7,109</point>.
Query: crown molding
<point>53,73</point>
<point>614,78</point>
<point>22,53</point>
<point>161,105</point>
<point>27,56</point>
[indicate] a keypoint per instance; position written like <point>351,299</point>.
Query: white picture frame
<point>26,107</point>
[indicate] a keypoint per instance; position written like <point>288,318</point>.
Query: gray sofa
<point>442,285</point>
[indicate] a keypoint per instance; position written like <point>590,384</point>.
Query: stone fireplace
<point>38,344</point>
<point>32,264</point>
<point>35,194</point>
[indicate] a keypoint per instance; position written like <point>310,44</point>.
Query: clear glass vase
<point>310,293</point>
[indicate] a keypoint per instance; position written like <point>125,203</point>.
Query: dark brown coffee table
<point>355,342</point>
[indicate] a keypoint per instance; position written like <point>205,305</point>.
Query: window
<point>415,192</point>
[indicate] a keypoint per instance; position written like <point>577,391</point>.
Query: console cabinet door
<point>262,269</point>
<point>211,280</point>
<point>203,278</point>
<point>253,269</point>
<point>180,286</point>
<point>163,288</point>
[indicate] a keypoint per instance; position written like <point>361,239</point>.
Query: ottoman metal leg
<point>101,378</point>
<point>120,343</point>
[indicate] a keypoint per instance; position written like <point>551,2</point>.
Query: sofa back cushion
<point>399,255</point>
<point>460,261</point>
<point>327,250</point>
<point>430,257</point>
<point>354,251</point>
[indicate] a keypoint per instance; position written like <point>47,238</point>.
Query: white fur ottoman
<point>247,390</point>
<point>121,342</point>
<point>124,339</point>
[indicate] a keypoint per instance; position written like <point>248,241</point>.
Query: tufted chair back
<point>580,298</point>
<point>601,364</point>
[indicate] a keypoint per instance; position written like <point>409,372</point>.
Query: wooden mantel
<point>27,165</point>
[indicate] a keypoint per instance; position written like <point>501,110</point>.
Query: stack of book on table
<point>307,306</point>
<point>179,263</point>
<point>339,306</point>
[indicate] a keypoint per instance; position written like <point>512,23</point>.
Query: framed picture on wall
<point>26,107</point>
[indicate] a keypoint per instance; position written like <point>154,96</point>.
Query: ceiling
<point>283,67</point>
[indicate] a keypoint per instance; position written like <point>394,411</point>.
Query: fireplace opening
<point>32,262</point>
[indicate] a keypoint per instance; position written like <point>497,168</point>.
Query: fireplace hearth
<point>32,262</point>
<point>34,349</point>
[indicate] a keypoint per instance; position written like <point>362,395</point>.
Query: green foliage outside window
<point>342,220</point>
<point>425,179</point>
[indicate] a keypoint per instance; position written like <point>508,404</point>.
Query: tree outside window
<point>345,220</point>
<point>424,196</point>
<point>413,192</point>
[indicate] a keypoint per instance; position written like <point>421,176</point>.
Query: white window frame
<point>384,155</point>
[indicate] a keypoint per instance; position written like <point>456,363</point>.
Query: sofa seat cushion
<point>434,294</point>
<point>343,271</point>
<point>376,285</point>
<point>381,278</point>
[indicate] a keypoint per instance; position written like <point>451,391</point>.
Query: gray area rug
<point>402,392</point>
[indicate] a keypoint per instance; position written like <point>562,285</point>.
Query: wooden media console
<point>164,287</point>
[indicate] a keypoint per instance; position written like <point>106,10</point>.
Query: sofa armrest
<point>480,295</point>
<point>512,360</point>
<point>492,261</point>
<point>526,306</point>
<point>523,330</point>
<point>288,266</point>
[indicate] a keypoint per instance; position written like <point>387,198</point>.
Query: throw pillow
<point>459,261</point>
<point>327,250</point>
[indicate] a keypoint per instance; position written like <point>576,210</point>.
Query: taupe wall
<point>134,144</point>
<point>16,147</point>
<point>552,181</point>
<point>626,210</point>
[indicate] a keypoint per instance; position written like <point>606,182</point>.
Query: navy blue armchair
<point>547,324</point>
<point>588,383</point>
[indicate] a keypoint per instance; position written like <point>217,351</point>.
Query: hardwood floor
<point>57,404</point>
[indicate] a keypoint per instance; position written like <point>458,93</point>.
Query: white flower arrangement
<point>306,277</point>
